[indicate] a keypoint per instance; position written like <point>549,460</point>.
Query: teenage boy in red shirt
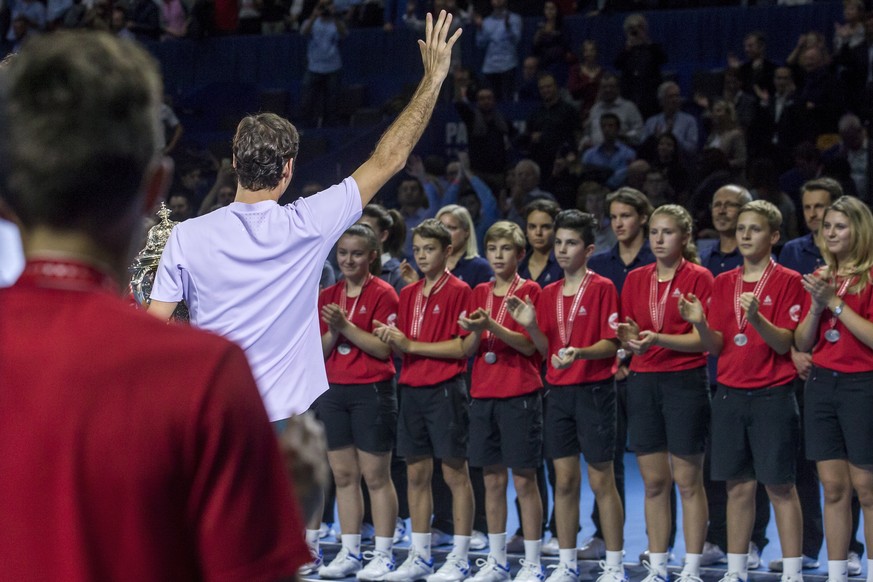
<point>749,324</point>
<point>573,326</point>
<point>433,421</point>
<point>506,419</point>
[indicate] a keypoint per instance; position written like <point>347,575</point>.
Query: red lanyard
<point>756,291</point>
<point>501,311</point>
<point>344,298</point>
<point>841,292</point>
<point>657,309</point>
<point>421,303</point>
<point>565,327</point>
<point>66,274</point>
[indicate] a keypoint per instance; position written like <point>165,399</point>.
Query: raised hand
<point>523,312</point>
<point>691,309</point>
<point>436,48</point>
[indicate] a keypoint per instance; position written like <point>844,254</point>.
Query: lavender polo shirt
<point>250,272</point>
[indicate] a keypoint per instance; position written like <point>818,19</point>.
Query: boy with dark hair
<point>573,326</point>
<point>749,324</point>
<point>433,420</point>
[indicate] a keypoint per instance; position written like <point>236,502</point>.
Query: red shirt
<point>378,301</point>
<point>596,319</point>
<point>131,449</point>
<point>848,354</point>
<point>636,304</point>
<point>513,374</point>
<point>755,365</point>
<point>439,322</point>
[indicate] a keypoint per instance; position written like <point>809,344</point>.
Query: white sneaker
<point>592,549</point>
<point>530,572</point>
<point>400,535</point>
<point>551,547</point>
<point>806,563</point>
<point>712,554</point>
<point>612,573</point>
<point>854,564</point>
<point>563,573</point>
<point>754,556</point>
<point>379,566</point>
<point>478,541</point>
<point>653,575</point>
<point>454,570</point>
<point>344,565</point>
<point>644,556</point>
<point>515,545</point>
<point>413,568</point>
<point>731,577</point>
<point>687,577</point>
<point>326,530</point>
<point>313,566</point>
<point>491,571</point>
<point>440,538</point>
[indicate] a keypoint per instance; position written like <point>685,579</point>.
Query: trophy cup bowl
<point>145,265</point>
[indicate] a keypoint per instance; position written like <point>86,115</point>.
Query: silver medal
<point>562,352</point>
<point>621,353</point>
<point>490,357</point>
<point>741,339</point>
<point>832,335</point>
<point>344,349</point>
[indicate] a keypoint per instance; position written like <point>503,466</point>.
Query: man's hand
<point>436,48</point>
<point>304,449</point>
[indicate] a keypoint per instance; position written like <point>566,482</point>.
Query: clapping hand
<point>691,309</point>
<point>523,312</point>
<point>334,317</point>
<point>478,321</point>
<point>391,336</point>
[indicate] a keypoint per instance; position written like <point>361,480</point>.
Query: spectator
<point>611,153</point>
<point>416,204</point>
<point>713,172</point>
<point>657,189</point>
<point>764,184</point>
<point>118,24</point>
<point>856,71</point>
<point>743,102</point>
<point>391,231</point>
<point>525,189</point>
<point>609,100</point>
<point>488,134</point>
<point>174,19</point>
<point>499,34</point>
<point>181,208</point>
<point>807,40</point>
<point>726,136</point>
<point>554,124</point>
<point>528,89</point>
<point>55,12</point>
<point>778,121</point>
<point>807,165</point>
<point>820,95</point>
<point>584,79</point>
<point>474,194</point>
<point>666,159</point>
<point>249,17</point>
<point>549,43</point>
<point>321,83</point>
<point>757,70</point>
<point>591,198</point>
<point>640,63</point>
<point>31,12</point>
<point>851,33</point>
<point>144,20</point>
<point>849,160</point>
<point>672,119</point>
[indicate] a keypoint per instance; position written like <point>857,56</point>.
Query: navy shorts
<point>434,420</point>
<point>580,418</point>
<point>838,416</point>
<point>507,431</point>
<point>668,411</point>
<point>755,434</point>
<point>363,415</point>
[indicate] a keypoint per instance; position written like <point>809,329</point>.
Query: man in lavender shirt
<point>250,270</point>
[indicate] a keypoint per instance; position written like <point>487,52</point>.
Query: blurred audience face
<point>485,100</point>
<point>180,208</point>
<point>589,51</point>
<point>725,209</point>
<point>609,128</point>
<point>409,194</point>
<point>815,202</point>
<point>672,99</point>
<point>609,90</point>
<point>783,80</point>
<point>548,89</point>
<point>526,178</point>
<point>753,47</point>
<point>666,148</point>
<point>812,59</point>
<point>530,67</point>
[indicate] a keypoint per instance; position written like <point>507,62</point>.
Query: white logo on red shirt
<point>363,309</point>
<point>768,300</point>
<point>583,311</point>
<point>436,309</point>
<point>794,313</point>
<point>392,318</point>
<point>677,293</point>
<point>613,320</point>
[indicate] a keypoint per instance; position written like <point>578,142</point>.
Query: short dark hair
<point>82,126</point>
<point>433,228</point>
<point>550,207</point>
<point>829,185</point>
<point>583,223</point>
<point>611,116</point>
<point>262,146</point>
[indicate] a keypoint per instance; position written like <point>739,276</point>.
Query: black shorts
<point>434,420</point>
<point>755,434</point>
<point>838,416</point>
<point>668,411</point>
<point>580,419</point>
<point>363,415</point>
<point>507,431</point>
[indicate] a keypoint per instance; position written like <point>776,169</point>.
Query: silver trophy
<point>145,265</point>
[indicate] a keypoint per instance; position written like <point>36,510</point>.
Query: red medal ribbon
<point>756,291</point>
<point>841,292</point>
<point>657,309</point>
<point>344,298</point>
<point>67,274</point>
<point>501,311</point>
<point>565,328</point>
<point>421,303</point>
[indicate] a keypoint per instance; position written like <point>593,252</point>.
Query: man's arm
<point>162,309</point>
<point>397,142</point>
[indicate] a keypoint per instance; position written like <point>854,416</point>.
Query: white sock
<point>312,539</point>
<point>532,550</point>
<point>869,570</point>
<point>497,547</point>
<point>385,545</point>
<point>792,568</point>
<point>461,546</point>
<point>739,563</point>
<point>658,562</point>
<point>568,557</point>
<point>421,543</point>
<point>838,570</point>
<point>692,564</point>
<point>615,559</point>
<point>352,542</point>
